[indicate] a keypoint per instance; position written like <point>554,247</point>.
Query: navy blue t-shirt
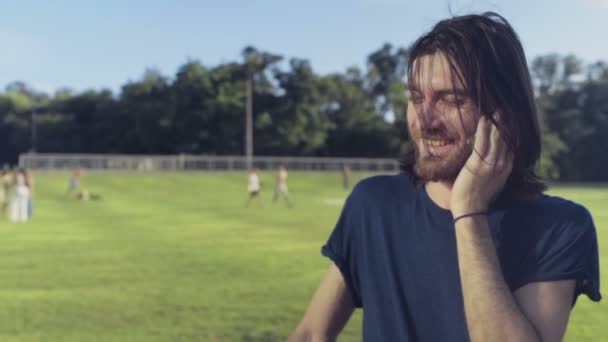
<point>396,250</point>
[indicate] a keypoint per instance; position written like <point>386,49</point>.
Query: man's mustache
<point>433,134</point>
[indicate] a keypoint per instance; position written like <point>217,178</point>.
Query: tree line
<point>296,111</point>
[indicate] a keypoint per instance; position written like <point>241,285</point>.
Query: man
<point>281,186</point>
<point>73,184</point>
<point>7,181</point>
<point>29,182</point>
<point>463,245</point>
<point>345,176</point>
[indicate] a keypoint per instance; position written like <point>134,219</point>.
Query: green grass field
<point>177,257</point>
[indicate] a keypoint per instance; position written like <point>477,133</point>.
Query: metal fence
<point>182,162</point>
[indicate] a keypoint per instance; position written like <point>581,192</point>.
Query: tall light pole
<point>255,62</point>
<point>33,132</point>
<point>249,121</point>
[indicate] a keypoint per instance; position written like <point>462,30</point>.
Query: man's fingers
<point>482,138</point>
<point>496,156</point>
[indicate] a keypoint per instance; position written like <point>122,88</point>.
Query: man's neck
<point>440,193</point>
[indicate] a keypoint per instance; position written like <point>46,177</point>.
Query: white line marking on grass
<point>583,196</point>
<point>333,201</point>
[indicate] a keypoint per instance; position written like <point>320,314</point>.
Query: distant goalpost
<point>184,162</point>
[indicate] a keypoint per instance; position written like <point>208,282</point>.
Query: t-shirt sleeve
<point>564,247</point>
<point>341,245</point>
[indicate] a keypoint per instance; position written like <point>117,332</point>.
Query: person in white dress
<point>20,199</point>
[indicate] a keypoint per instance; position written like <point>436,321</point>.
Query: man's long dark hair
<point>487,58</point>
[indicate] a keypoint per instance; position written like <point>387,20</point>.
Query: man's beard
<point>444,168</point>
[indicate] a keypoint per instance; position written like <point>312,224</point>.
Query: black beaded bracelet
<point>478,213</point>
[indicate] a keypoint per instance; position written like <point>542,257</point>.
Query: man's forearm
<point>491,311</point>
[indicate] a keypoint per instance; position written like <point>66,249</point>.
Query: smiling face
<point>441,119</point>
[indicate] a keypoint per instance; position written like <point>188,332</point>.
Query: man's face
<point>441,120</point>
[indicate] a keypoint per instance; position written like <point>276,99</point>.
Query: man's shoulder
<point>559,208</point>
<point>553,214</point>
<point>383,187</point>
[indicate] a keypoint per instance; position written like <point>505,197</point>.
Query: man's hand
<point>485,172</point>
<point>328,312</point>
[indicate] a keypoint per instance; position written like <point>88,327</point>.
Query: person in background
<point>345,177</point>
<point>29,182</point>
<point>74,181</point>
<point>20,198</point>
<point>281,186</point>
<point>7,181</point>
<point>253,187</point>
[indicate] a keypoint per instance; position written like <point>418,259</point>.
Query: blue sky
<point>86,44</point>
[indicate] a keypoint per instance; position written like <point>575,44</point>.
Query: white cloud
<point>17,49</point>
<point>599,3</point>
